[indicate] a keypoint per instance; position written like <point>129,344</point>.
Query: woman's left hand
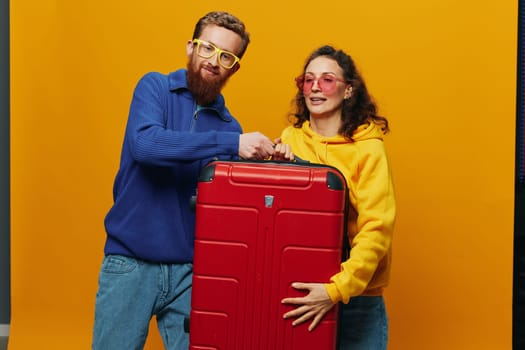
<point>314,305</point>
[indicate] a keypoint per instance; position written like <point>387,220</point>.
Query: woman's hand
<point>282,151</point>
<point>314,305</point>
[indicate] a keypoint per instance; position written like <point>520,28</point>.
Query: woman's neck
<point>326,126</point>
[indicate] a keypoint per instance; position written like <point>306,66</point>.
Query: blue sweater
<point>168,140</point>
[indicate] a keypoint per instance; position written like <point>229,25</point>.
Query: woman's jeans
<point>363,324</point>
<point>130,292</point>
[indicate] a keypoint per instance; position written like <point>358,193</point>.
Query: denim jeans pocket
<point>118,264</point>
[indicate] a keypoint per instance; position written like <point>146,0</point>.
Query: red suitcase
<point>261,226</point>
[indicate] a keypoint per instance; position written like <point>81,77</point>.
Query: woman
<point>336,124</point>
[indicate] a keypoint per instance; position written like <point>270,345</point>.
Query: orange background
<point>442,71</point>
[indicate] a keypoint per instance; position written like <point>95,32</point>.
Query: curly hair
<point>356,110</point>
<point>225,20</point>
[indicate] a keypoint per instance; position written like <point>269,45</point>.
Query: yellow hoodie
<point>371,217</point>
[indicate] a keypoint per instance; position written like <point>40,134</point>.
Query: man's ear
<point>189,48</point>
<point>235,68</point>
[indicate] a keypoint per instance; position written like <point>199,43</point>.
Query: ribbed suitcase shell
<point>261,226</point>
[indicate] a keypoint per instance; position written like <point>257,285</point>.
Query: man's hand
<point>254,145</point>
<point>314,305</point>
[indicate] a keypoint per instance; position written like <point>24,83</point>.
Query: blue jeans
<point>130,292</point>
<point>363,324</point>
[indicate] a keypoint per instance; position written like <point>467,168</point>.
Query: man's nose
<point>213,59</point>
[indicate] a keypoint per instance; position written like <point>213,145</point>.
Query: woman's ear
<point>348,92</point>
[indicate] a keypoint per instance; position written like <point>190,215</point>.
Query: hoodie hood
<point>363,132</point>
<point>334,150</point>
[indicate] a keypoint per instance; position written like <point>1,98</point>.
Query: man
<point>177,124</point>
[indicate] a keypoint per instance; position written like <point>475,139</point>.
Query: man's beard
<point>204,91</point>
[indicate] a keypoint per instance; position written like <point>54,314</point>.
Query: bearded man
<point>177,124</point>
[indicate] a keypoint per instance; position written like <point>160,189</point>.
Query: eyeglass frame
<point>217,52</point>
<point>299,81</point>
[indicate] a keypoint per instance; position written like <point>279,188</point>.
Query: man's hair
<point>225,20</point>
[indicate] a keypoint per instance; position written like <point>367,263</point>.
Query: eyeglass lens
<point>326,82</point>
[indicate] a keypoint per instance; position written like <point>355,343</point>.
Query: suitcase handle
<point>300,160</point>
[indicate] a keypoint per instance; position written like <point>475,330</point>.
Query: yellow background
<point>442,71</point>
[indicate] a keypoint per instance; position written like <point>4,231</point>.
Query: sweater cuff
<point>333,293</point>
<point>229,141</point>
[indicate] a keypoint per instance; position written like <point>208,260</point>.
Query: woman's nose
<point>315,85</point>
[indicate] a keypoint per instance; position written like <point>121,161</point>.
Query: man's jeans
<point>130,292</point>
<point>363,324</point>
